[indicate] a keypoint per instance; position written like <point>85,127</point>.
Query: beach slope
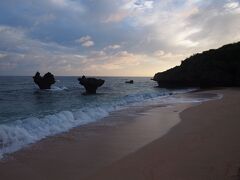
<point>205,145</point>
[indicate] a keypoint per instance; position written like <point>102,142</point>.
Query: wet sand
<point>204,146</point>
<point>121,146</point>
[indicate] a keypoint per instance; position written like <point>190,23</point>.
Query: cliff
<point>215,67</point>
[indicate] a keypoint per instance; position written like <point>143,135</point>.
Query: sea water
<point>28,114</point>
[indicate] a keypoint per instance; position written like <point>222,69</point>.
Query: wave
<point>56,88</point>
<point>14,136</point>
<point>17,134</point>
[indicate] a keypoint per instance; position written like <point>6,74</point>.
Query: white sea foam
<point>176,99</point>
<point>56,88</point>
<point>14,136</point>
<point>17,134</point>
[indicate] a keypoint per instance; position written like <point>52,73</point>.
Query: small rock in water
<point>130,82</point>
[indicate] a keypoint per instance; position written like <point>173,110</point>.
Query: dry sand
<point>204,146</point>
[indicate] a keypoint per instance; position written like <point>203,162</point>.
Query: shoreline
<point>89,148</point>
<point>204,145</point>
<point>31,128</point>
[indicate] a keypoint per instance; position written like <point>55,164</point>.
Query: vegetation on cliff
<point>215,67</point>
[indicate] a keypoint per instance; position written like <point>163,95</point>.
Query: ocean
<point>28,114</point>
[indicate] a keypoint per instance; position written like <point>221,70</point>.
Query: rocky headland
<point>212,68</point>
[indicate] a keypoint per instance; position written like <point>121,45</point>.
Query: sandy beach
<point>204,146</point>
<point>141,143</point>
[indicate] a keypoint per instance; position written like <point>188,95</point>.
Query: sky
<point>110,37</point>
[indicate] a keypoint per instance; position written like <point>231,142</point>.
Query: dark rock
<point>212,68</point>
<point>44,82</point>
<point>90,84</point>
<point>130,82</point>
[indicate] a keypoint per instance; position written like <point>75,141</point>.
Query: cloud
<point>231,5</point>
<point>168,56</point>
<point>134,37</point>
<point>85,41</point>
<point>129,8</point>
<point>112,47</point>
<point>119,63</point>
<point>22,55</point>
<point>218,25</point>
<point>2,55</point>
<point>88,43</point>
<point>159,53</point>
<point>115,46</point>
<point>68,4</point>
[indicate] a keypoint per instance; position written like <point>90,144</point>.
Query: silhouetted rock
<point>220,67</point>
<point>44,82</point>
<point>129,82</point>
<point>90,84</point>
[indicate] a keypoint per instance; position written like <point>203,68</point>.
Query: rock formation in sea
<point>90,84</point>
<point>129,82</point>
<point>212,68</point>
<point>44,82</point>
